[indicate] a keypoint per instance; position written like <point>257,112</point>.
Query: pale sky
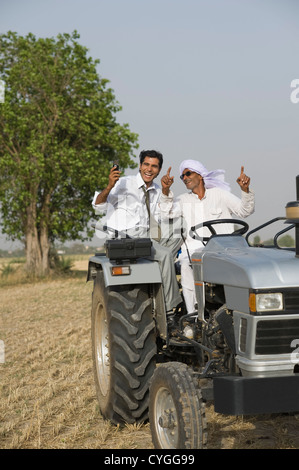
<point>202,79</point>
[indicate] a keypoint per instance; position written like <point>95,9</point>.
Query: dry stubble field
<point>47,398</point>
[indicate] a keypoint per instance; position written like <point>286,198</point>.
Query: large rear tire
<point>123,349</point>
<point>176,410</point>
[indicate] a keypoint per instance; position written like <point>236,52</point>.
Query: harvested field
<point>47,391</point>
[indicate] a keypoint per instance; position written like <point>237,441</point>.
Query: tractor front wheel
<point>176,410</point>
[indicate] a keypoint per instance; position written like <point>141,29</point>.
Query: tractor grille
<point>291,300</point>
<point>275,336</point>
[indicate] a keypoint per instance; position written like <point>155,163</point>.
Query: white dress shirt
<point>125,209</point>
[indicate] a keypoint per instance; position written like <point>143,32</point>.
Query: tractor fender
<point>142,271</point>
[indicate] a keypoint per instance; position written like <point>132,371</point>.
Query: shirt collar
<point>141,183</point>
<point>196,197</point>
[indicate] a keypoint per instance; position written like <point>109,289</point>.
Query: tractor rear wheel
<point>123,349</point>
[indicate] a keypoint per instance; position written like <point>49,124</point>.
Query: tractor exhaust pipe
<point>292,215</point>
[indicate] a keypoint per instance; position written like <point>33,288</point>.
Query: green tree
<point>59,136</point>
<point>256,240</point>
<point>287,241</point>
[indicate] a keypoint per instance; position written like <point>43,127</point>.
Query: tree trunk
<point>37,245</point>
<point>44,249</point>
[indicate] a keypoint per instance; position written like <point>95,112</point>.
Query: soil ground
<point>46,382</point>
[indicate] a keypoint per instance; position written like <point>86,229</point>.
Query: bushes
<point>11,267</point>
<point>63,265</point>
<point>12,270</point>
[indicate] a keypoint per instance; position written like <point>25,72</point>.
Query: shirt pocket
<point>216,213</point>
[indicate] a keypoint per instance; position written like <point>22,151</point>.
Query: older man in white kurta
<point>208,198</point>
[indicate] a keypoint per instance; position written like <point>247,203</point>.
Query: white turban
<point>212,179</point>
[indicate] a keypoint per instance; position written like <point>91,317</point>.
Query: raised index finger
<point>242,169</point>
<point>168,171</point>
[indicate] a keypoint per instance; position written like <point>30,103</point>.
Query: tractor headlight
<point>266,302</point>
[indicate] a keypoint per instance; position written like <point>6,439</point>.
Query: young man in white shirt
<point>208,198</point>
<point>123,203</point>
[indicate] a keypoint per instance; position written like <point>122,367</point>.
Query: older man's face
<point>191,179</point>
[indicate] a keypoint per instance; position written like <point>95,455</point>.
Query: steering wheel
<point>209,224</point>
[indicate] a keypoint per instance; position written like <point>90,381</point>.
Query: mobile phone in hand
<point>116,166</point>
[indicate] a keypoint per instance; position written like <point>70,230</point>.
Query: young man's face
<point>149,169</point>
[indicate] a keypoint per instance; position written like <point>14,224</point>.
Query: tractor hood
<point>228,260</point>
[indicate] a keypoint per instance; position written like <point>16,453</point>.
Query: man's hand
<point>166,182</point>
<point>114,176</point>
<point>243,181</point>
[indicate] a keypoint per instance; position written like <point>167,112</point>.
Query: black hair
<point>151,154</point>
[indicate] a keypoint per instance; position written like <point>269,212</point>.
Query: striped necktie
<point>155,228</point>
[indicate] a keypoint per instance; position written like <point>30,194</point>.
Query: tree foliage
<point>59,136</point>
<point>286,241</point>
